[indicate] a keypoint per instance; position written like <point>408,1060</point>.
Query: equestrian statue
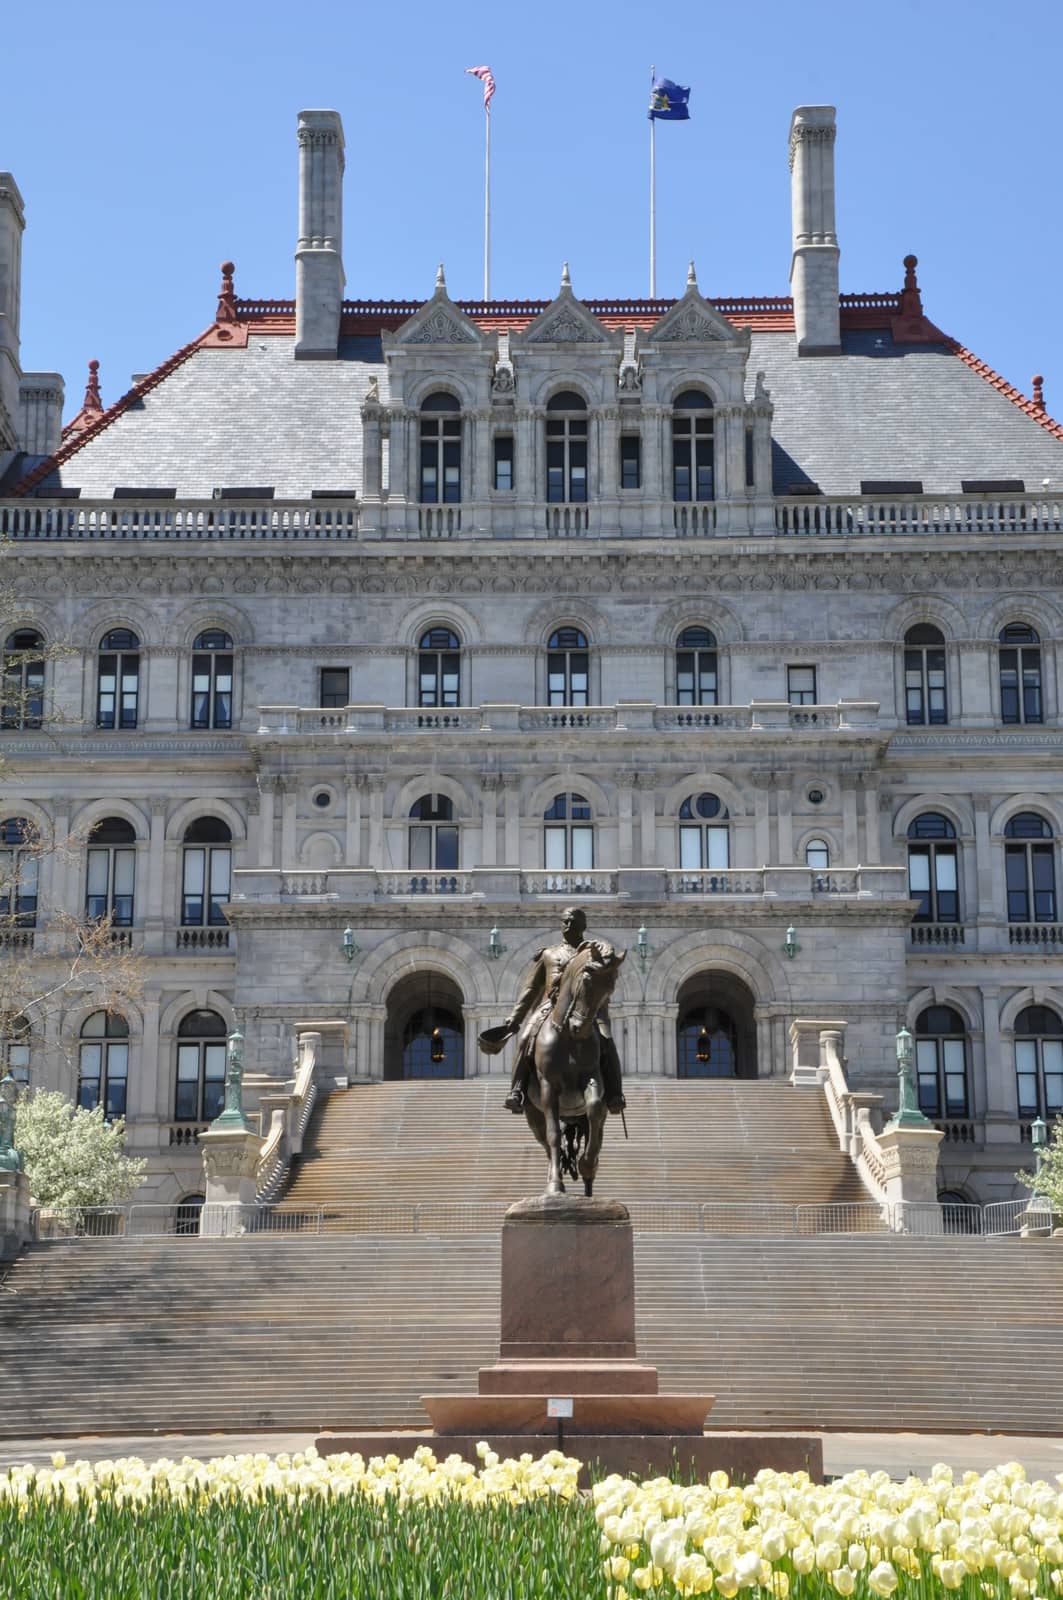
<point>566,1076</point>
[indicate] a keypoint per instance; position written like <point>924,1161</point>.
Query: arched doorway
<point>424,1032</point>
<point>716,1036</point>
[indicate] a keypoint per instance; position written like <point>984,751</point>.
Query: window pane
<point>945,869</point>
<point>555,840</point>
<point>421,849</point>
<point>1015,877</point>
<point>446,849</point>
<point>583,849</point>
<point>1044,882</point>
<point>719,851</point>
<point>690,849</point>
<point>214,1061</point>
<point>220,861</point>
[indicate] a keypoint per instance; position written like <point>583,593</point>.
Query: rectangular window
<point>503,461</point>
<point>213,1080</point>
<point>955,1069</point>
<point>117,1077</point>
<point>1015,880</point>
<point>335,687</point>
<point>926,1062</point>
<point>186,1106</point>
<point>555,849</point>
<point>192,898</point>
<point>1052,1063</point>
<point>90,1070</point>
<point>630,461</point>
<point>1026,1075</point>
<point>421,849</point>
<point>1044,883</point>
<point>801,686</point>
<point>582,849</point>
<point>577,470</point>
<point>719,848</point>
<point>946,886</point>
<point>446,849</point>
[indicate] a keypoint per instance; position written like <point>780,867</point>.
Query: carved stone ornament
<point>440,328</point>
<point>692,324</point>
<point>503,381</point>
<point>567,327</point>
<point>629,377</point>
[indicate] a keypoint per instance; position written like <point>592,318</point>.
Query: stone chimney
<point>40,423</point>
<point>814,266</point>
<point>12,223</point>
<point>319,276</point>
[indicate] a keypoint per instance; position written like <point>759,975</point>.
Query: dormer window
<point>692,447</point>
<point>440,450</point>
<point>566,448</point>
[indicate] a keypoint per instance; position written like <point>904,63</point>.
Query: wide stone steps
<point>450,1141</point>
<point>113,1335</point>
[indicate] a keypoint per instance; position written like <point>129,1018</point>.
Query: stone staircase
<point>451,1141</point>
<point>281,1332</point>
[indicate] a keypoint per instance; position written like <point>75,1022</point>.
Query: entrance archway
<point>424,1032</point>
<point>716,1036</point>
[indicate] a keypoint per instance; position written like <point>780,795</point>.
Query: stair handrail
<point>290,1114</point>
<point>852,1113</point>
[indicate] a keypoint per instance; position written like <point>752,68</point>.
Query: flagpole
<point>487,202</point>
<point>653,194</point>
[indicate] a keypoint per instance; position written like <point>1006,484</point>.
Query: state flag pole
<point>653,193</point>
<point>487,201</point>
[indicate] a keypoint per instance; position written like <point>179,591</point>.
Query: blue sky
<point>152,142</point>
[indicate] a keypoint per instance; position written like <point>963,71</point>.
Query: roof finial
<point>566,280</point>
<point>1038,393</point>
<point>226,296</point>
<point>92,401</point>
<point>692,277</point>
<point>441,279</point>
<point>911,299</point>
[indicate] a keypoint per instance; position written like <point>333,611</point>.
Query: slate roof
<point>249,415</point>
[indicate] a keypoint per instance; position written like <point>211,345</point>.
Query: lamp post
<point>908,1114</point>
<point>232,1113</point>
<point>1038,1138</point>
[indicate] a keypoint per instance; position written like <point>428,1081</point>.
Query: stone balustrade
<point>62,517</point>
<point>366,885</point>
<point>626,716</point>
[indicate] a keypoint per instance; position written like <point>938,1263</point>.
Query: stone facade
<point>339,804</point>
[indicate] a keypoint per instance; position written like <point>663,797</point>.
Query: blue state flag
<point>668,101</point>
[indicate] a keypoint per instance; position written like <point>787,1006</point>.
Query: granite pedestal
<point>568,1333</point>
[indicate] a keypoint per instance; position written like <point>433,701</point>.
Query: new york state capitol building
<point>735,622</point>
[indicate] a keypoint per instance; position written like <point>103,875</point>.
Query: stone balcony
<point>754,885</point>
<point>771,716</point>
<point>67,517</point>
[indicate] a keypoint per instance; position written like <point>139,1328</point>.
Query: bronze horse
<point>566,1108</point>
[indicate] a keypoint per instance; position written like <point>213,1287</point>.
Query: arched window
<point>1039,1062</point>
<point>15,1048</point>
<point>206,873</point>
<point>566,447</point>
<point>440,450</point>
<point>1030,868</point>
<point>111,876</point>
<point>439,668</point>
<point>696,668</point>
<point>18,874</point>
<point>118,680</point>
<point>433,835</point>
<point>704,834</point>
<point>941,1062</point>
<point>933,873</point>
<point>707,1044</point>
<point>103,1063</point>
<point>212,680</point>
<point>23,692</point>
<point>817,855</point>
<point>568,835</point>
<point>568,668</point>
<point>1020,674</point>
<point>925,697</point>
<point>201,1047</point>
<point>433,1045</point>
<point>692,452</point>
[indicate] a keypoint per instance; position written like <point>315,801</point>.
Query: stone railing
<point>923,515</point>
<point>288,1116</point>
<point>627,716</point>
<point>41,519</point>
<point>351,885</point>
<point>200,941</point>
<point>851,1114</point>
<point>1042,935</point>
<point>936,935</point>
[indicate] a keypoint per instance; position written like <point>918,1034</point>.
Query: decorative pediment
<point>694,320</point>
<point>566,320</point>
<point>439,321</point>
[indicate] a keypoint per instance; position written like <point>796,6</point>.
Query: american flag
<point>487,78</point>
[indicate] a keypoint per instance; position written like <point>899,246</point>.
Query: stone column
<point>511,794</point>
<point>986,859</point>
<point>609,454</point>
<point>480,483</point>
<point>872,840</point>
<point>154,910</point>
<point>784,823</point>
<point>814,267</point>
<point>490,784</point>
<point>646,788</point>
<point>525,423</point>
<point>355,783</point>
<point>624,831</point>
<point>372,452</point>
<point>289,796</point>
<point>1001,1090</point>
<point>376,822</point>
<point>850,839</point>
<point>149,1097</point>
<point>267,788</point>
<point>319,280</point>
<point>764,783</point>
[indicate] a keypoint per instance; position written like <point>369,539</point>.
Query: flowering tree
<point>73,1157</point>
<point>1048,1181</point>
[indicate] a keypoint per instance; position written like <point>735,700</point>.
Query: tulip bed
<point>261,1528</point>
